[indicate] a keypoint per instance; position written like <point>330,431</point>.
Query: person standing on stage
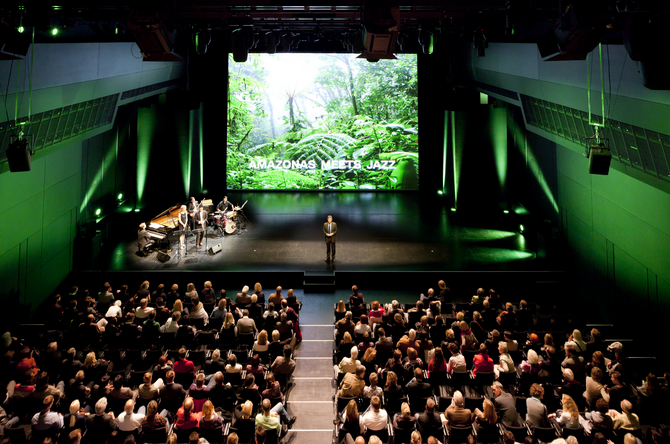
<point>143,239</point>
<point>192,211</point>
<point>201,222</point>
<point>183,221</point>
<point>225,205</point>
<point>330,230</point>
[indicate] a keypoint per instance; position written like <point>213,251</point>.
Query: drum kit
<point>228,221</point>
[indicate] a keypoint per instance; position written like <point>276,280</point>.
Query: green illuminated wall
<point>619,232</point>
<point>41,210</point>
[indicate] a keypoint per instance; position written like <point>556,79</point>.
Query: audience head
<point>129,407</point>
<point>101,406</point>
<point>376,403</point>
<point>352,410</point>
<point>74,437</point>
<point>418,374</point>
<point>533,357</point>
<point>568,374</point>
<point>391,379</point>
<point>497,388</point>
<point>360,371</point>
<point>152,408</point>
<point>458,399</point>
<point>232,438</point>
<point>482,348</point>
<point>508,437</point>
<point>260,435</point>
<point>536,391</point>
<point>626,406</point>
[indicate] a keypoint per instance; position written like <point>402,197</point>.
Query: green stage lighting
<point>120,196</point>
<point>21,29</point>
<point>137,210</point>
<point>506,211</point>
<point>521,228</point>
<point>453,210</point>
<point>440,192</point>
<point>98,211</point>
<point>54,31</point>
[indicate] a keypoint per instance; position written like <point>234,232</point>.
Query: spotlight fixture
<point>137,210</point>
<point>479,41</point>
<point>381,21</point>
<point>98,212</point>
<point>20,29</point>
<point>440,192</point>
<point>506,211</point>
<point>426,41</point>
<point>202,39</point>
<point>453,210</point>
<point>120,196</point>
<point>54,31</point>
<point>521,229</point>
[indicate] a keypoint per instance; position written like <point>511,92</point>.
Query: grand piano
<point>161,227</point>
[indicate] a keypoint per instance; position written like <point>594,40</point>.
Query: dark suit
<point>385,345</point>
<point>419,389</point>
<point>506,409</point>
<point>173,391</point>
<point>200,217</point>
<point>330,240</point>
<point>429,423</point>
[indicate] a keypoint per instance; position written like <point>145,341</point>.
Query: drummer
<point>224,205</point>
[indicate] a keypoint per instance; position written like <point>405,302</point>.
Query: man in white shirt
<point>374,419</point>
<point>142,312</point>
<point>128,421</point>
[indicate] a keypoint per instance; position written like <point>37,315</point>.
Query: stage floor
<point>376,232</point>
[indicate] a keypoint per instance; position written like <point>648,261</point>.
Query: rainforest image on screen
<point>322,121</point>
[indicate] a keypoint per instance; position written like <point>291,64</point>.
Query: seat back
<point>159,435</point>
<point>544,434</point>
<point>459,434</point>
<point>213,436</point>
<point>402,436</point>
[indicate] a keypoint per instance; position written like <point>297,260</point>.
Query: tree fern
<point>320,147</point>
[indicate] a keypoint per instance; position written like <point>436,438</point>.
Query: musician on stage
<point>143,239</point>
<point>192,210</point>
<point>201,223</point>
<point>224,205</point>
<point>183,222</point>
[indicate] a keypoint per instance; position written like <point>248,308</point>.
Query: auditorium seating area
<point>427,368</point>
<point>399,341</point>
<point>87,351</point>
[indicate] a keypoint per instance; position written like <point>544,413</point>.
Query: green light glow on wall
<point>444,158</point>
<point>499,143</point>
<point>202,157</point>
<point>186,156</point>
<point>456,156</point>
<point>532,164</point>
<point>477,235</point>
<point>107,161</point>
<point>145,130</point>
<point>483,99</point>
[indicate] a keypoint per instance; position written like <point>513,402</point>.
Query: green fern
<point>320,147</point>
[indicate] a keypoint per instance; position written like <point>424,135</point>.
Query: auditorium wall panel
<point>616,228</point>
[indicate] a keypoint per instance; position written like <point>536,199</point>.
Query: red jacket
<point>481,362</point>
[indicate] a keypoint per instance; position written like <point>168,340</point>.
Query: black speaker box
<point>163,257</point>
<point>18,156</point>
<point>599,159</point>
<point>215,249</point>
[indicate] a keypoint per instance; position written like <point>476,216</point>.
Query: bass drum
<point>231,227</point>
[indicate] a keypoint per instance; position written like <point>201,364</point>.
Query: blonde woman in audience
<point>404,420</point>
<point>415,438</point>
<point>210,419</point>
<point>220,310</point>
<point>191,292</point>
<point>261,345</point>
<point>570,415</point>
<point>228,329</point>
<point>577,341</point>
<point>178,307</point>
